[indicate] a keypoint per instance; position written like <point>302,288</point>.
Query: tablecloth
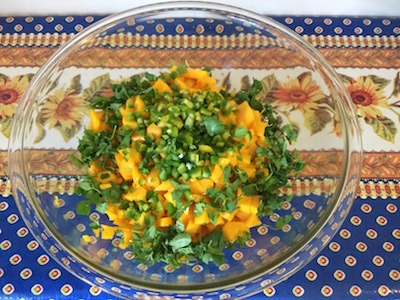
<point>363,259</point>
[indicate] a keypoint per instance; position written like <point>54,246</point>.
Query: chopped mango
<point>138,194</point>
<point>195,74</point>
<point>96,120</point>
<point>165,222</point>
<point>227,215</point>
<point>202,219</point>
<point>232,230</point>
<point>200,186</point>
<point>154,130</point>
<point>245,115</point>
<point>153,180</point>
<point>107,232</point>
<point>252,221</point>
<point>164,186</point>
<point>161,86</point>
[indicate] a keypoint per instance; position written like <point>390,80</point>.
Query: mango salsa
<point>175,160</point>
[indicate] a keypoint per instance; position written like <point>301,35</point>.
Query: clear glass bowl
<point>237,45</point>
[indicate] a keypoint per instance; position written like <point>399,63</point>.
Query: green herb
<point>240,132</point>
<point>214,126</point>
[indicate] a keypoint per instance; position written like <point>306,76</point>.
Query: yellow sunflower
<point>64,110</point>
<point>367,96</point>
<point>299,93</point>
<point>11,91</point>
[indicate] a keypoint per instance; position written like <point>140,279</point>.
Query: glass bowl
<point>238,46</point>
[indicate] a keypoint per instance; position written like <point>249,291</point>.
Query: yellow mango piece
<point>190,83</point>
<point>165,222</point>
<point>255,203</point>
<point>127,238</point>
<point>233,160</point>
<point>132,124</point>
<point>161,87</point>
<point>233,230</point>
<point>164,186</point>
<point>216,173</point>
<point>86,238</point>
<point>102,177</point>
<point>202,219</point>
<point>111,212</point>
<point>200,186</point>
<point>192,227</point>
<point>105,186</point>
<point>225,119</point>
<point>211,227</point>
<point>220,221</point>
<point>250,148</point>
<point>136,176</point>
<point>227,215</point>
<point>107,232</point>
<point>136,155</point>
<point>187,215</point>
<point>245,116</point>
<point>223,161</point>
<point>168,197</point>
<point>96,232</point>
<point>152,180</point>
<point>181,83</point>
<point>139,104</point>
<point>249,204</point>
<point>124,166</point>
<point>248,168</point>
<point>154,130</point>
<point>138,194</point>
<point>205,83</point>
<point>246,158</point>
<point>241,215</point>
<point>195,74</point>
<point>252,221</point>
<point>244,203</point>
<point>258,125</point>
<point>96,120</point>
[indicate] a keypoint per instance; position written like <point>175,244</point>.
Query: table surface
<point>363,259</point>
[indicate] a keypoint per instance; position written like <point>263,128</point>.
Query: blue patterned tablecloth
<point>363,260</point>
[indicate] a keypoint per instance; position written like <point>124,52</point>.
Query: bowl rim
<point>206,6</point>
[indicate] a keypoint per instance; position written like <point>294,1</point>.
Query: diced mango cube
<point>233,230</point>
<point>96,120</point>
<point>165,222</point>
<point>227,215</point>
<point>252,221</point>
<point>164,186</point>
<point>195,74</point>
<point>241,215</point>
<point>152,180</point>
<point>138,194</point>
<point>192,227</point>
<point>202,219</point>
<point>216,173</point>
<point>161,86</point>
<point>154,130</point>
<point>107,232</point>
<point>245,116</point>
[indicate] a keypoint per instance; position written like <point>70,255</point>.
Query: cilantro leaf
<point>181,240</point>
<point>213,126</point>
<point>83,207</point>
